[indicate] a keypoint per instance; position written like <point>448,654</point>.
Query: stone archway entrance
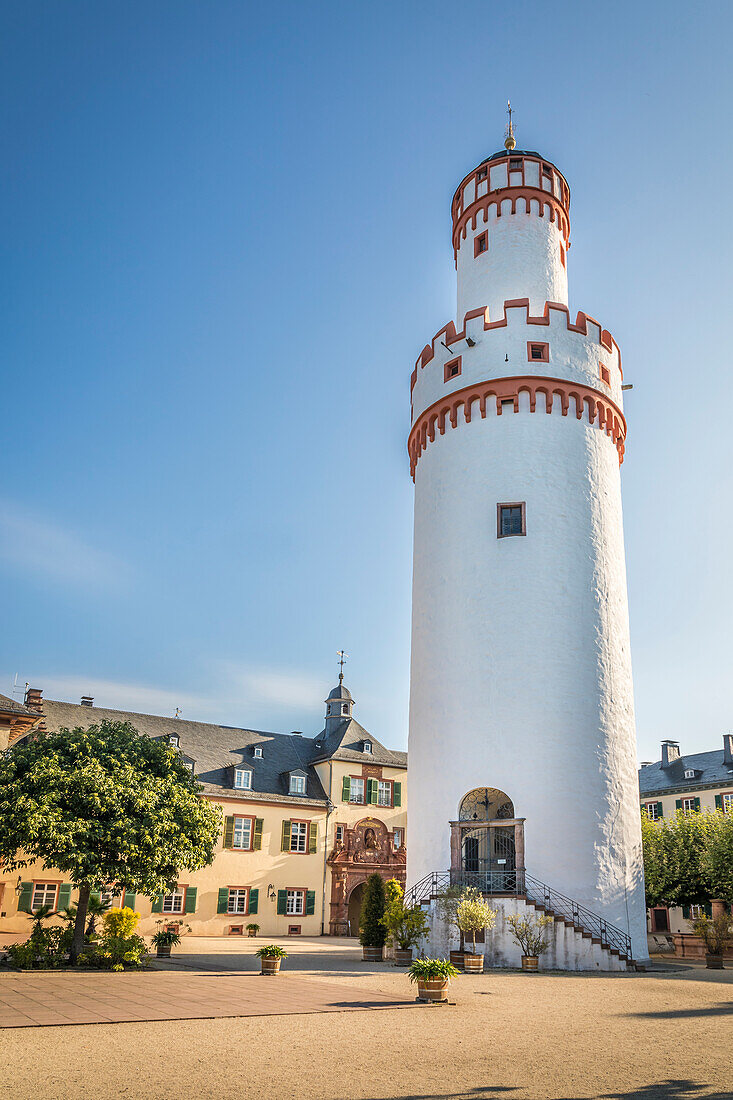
<point>357,896</point>
<point>487,842</point>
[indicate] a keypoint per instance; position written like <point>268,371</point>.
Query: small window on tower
<point>452,369</point>
<point>480,244</point>
<point>511,520</point>
<point>482,174</point>
<point>515,164</point>
<point>605,374</point>
<point>538,352</point>
<point>546,170</point>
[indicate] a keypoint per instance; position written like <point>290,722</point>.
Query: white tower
<point>521,670</point>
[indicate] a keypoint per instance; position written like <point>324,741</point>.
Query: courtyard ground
<point>665,1034</point>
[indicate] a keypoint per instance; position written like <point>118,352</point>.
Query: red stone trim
<point>512,194</point>
<point>477,250</point>
<point>443,413</point>
<point>545,348</point>
<point>448,334</point>
<point>449,371</point>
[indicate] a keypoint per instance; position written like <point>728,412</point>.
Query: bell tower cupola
<point>339,704</point>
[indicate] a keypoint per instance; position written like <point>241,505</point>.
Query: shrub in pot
<point>405,925</point>
<point>252,929</point>
<point>164,940</point>
<point>716,933</point>
<point>529,934</point>
<point>433,978</point>
<point>270,956</point>
<point>472,915</point>
<point>372,932</point>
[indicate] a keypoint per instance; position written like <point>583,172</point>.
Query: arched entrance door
<point>355,900</point>
<point>488,849</point>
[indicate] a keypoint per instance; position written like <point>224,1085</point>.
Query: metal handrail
<point>521,884</point>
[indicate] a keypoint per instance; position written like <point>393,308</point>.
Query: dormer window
<point>297,784</point>
<point>344,708</point>
<point>690,774</point>
<point>173,739</point>
<point>367,746</point>
<point>243,779</point>
<point>257,752</point>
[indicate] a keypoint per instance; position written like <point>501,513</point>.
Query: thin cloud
<point>119,695</point>
<point>54,553</point>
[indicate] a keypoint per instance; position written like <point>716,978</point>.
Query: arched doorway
<point>355,900</point>
<point>488,848</point>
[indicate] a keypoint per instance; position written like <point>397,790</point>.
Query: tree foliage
<point>718,858</point>
<point>106,806</point>
<point>372,932</point>
<point>405,924</point>
<point>473,913</point>
<point>688,859</point>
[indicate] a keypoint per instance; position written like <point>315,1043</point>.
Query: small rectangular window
<point>688,805</point>
<point>356,793</point>
<point>546,170</point>
<point>397,838</point>
<point>298,836</point>
<point>295,905</point>
<point>511,520</point>
<point>482,174</point>
<point>515,163</point>
<point>384,793</point>
<point>297,784</point>
<point>44,893</point>
<point>242,836</point>
<point>257,752</point>
<point>339,834</point>
<point>689,774</point>
<point>243,779</point>
<point>651,810</point>
<point>237,899</point>
<point>452,369</point>
<point>537,352</point>
<point>605,375</point>
<point>480,244</point>
<point>173,903</point>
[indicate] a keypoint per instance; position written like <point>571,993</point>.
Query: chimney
<point>728,748</point>
<point>670,752</point>
<point>34,699</point>
<point>87,700</point>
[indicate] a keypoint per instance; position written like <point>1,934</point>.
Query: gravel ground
<point>666,1034</point>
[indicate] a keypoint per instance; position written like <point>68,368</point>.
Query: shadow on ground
<point>662,1090</point>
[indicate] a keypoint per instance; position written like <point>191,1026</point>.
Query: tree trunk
<point>81,920</point>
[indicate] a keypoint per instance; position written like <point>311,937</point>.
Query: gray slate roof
<point>710,771</point>
<point>344,743</point>
<point>12,706</point>
<point>215,750</point>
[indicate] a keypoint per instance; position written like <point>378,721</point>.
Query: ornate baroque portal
<point>487,841</point>
<point>366,848</point>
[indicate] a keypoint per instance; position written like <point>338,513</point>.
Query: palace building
<point>521,664</point>
<point>305,821</point>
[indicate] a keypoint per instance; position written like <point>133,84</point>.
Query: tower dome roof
<point>340,692</point>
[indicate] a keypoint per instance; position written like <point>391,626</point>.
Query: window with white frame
<point>339,834</point>
<point>173,903</point>
<point>242,835</point>
<point>356,792</point>
<point>298,836</point>
<point>295,905</point>
<point>397,835</point>
<point>384,793</point>
<point>173,739</point>
<point>297,784</point>
<point>728,803</point>
<point>697,911</point>
<point>257,752</point>
<point>652,810</point>
<point>243,779</point>
<point>237,899</point>
<point>106,897</point>
<point>44,893</point>
<point>690,773</point>
<point>688,805</point>
<point>367,747</point>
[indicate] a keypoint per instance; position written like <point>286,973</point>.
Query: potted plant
<point>270,956</point>
<point>433,977</point>
<point>252,929</point>
<point>372,932</point>
<point>447,905</point>
<point>716,933</point>
<point>163,940</point>
<point>405,925</point>
<point>472,915</point>
<point>529,934</point>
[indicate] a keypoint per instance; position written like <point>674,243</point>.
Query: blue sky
<point>227,238</point>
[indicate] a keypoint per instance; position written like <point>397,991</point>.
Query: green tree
<point>718,858</point>
<point>676,868</point>
<point>473,914</point>
<point>372,932</point>
<point>108,807</point>
<point>406,925</point>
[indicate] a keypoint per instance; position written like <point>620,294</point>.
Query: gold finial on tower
<point>510,141</point>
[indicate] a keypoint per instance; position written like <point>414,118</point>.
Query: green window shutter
<point>26,897</point>
<point>659,810</point>
<point>65,896</point>
<point>157,906</point>
<point>228,832</point>
<point>128,901</point>
<point>718,802</point>
<point>282,901</point>
<point>222,904</point>
<point>257,838</point>
<point>678,804</point>
<point>191,893</point>
<point>686,912</point>
<point>372,791</point>
<point>346,789</point>
<point>312,838</point>
<point>254,896</point>
<point>310,903</point>
<point>285,843</point>
<point>94,895</point>
<point>708,909</point>
<point>697,804</point>
<point>396,794</point>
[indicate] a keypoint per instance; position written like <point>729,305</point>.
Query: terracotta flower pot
<point>456,958</point>
<point>270,965</point>
<point>473,964</point>
<point>163,952</point>
<point>372,954</point>
<point>436,989</point>
<point>529,962</point>
<point>402,957</point>
<point>714,962</point>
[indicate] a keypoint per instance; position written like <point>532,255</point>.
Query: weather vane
<point>510,141</point>
<point>342,657</point>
